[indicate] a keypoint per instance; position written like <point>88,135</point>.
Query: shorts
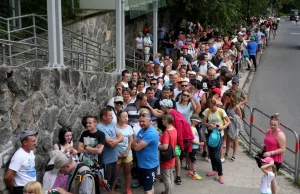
<point>125,160</point>
<point>147,177</point>
<point>193,156</point>
<point>259,46</point>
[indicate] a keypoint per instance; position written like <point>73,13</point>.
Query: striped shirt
<point>133,114</point>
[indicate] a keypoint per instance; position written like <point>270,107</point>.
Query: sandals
<point>232,159</point>
<point>220,180</point>
<point>225,155</point>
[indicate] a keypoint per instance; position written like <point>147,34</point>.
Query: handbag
<point>168,154</point>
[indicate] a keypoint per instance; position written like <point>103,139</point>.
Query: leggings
<point>253,57</point>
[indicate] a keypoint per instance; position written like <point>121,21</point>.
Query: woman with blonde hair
<point>186,105</point>
<point>33,187</point>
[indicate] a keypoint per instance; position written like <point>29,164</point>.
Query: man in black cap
<point>21,169</point>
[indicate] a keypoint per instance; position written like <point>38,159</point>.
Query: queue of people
<point>163,114</point>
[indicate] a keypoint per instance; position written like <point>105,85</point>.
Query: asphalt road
<point>275,86</point>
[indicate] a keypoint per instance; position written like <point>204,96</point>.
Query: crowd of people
<point>177,106</point>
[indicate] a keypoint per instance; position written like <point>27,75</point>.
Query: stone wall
<point>101,28</point>
<point>45,99</point>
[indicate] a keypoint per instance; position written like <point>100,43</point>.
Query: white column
<point>155,24</point>
<point>123,36</point>
<point>52,52</point>
<point>118,36</point>
<point>59,36</point>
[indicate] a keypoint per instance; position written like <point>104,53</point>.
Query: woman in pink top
<point>275,143</point>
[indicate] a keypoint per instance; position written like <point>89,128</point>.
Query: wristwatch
<point>84,147</point>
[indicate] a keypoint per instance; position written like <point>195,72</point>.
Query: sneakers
<point>197,177</point>
<point>135,185</point>
<point>178,180</point>
<point>221,180</point>
<point>128,191</point>
<point>190,174</point>
<point>207,159</point>
<point>223,160</point>
<point>204,154</point>
<point>213,173</point>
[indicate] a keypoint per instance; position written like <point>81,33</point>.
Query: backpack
<point>100,185</point>
<point>214,138</point>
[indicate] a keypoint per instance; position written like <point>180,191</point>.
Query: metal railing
<point>78,49</point>
<point>292,147</point>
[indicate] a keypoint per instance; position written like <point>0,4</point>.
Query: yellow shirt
<point>215,118</point>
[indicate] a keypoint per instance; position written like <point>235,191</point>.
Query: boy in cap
<point>192,158</point>
<point>21,169</point>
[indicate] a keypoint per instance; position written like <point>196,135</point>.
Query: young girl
<point>195,120</point>
<point>269,171</point>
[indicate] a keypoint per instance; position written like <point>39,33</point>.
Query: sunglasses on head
<point>119,103</point>
<point>145,115</point>
<point>186,95</point>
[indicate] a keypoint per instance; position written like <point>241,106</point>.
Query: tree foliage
<point>223,14</point>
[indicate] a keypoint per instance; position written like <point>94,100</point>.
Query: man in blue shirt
<point>252,50</point>
<point>258,35</point>
<point>112,138</point>
<point>146,146</point>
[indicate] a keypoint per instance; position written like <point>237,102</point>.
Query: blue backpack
<point>214,138</point>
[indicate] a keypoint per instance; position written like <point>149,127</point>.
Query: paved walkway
<point>241,176</point>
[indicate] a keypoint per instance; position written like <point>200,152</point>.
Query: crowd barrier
<point>249,124</point>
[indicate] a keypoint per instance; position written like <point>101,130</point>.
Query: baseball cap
<point>118,99</point>
<point>168,87</point>
<point>235,80</point>
<point>60,160</point>
<point>218,91</point>
<point>180,79</point>
<point>53,155</point>
<point>27,133</point>
<point>184,47</point>
<point>195,117</point>
<point>166,103</point>
<point>185,62</point>
<point>173,72</point>
<point>156,61</point>
<point>193,73</point>
<point>267,160</point>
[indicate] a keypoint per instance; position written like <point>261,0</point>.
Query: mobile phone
<point>54,191</point>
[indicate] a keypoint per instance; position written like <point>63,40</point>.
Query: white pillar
<point>51,33</point>
<point>155,24</point>
<point>59,35</point>
<point>18,13</point>
<point>118,36</point>
<point>123,36</point>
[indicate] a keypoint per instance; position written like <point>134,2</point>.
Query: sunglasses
<point>183,85</point>
<point>118,89</point>
<point>153,84</point>
<point>150,77</point>
<point>119,103</point>
<point>186,95</point>
<point>144,115</point>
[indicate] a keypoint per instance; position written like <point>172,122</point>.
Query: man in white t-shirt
<point>21,169</point>
<point>125,78</point>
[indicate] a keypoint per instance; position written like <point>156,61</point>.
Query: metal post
<point>12,4</point>
<point>18,13</point>
<point>251,127</point>
<point>3,54</point>
<point>154,33</point>
<point>73,6</point>
<point>9,45</point>
<point>59,36</point>
<point>134,63</point>
<point>118,35</point>
<point>123,36</point>
<point>35,42</point>
<point>297,164</point>
<point>52,46</point>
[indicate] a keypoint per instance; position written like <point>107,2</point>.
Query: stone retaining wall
<point>45,99</point>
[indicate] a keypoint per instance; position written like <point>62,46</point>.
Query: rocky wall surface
<point>46,99</point>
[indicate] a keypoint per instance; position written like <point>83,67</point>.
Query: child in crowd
<point>269,171</point>
<point>192,159</point>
